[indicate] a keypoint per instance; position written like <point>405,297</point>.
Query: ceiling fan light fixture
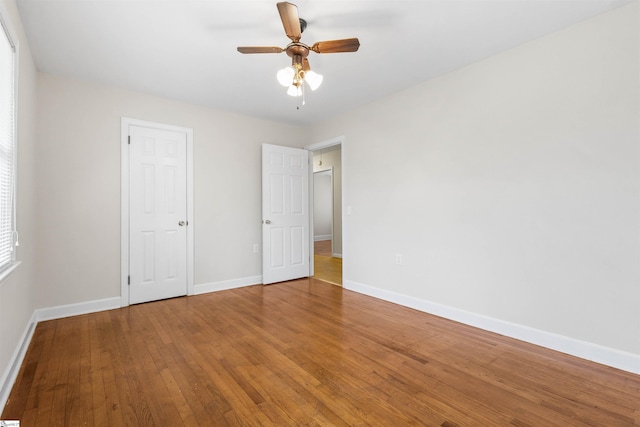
<point>294,77</point>
<point>294,90</point>
<point>313,79</point>
<point>285,76</point>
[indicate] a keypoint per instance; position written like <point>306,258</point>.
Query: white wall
<point>322,205</point>
<point>79,189</point>
<point>510,186</point>
<point>17,292</point>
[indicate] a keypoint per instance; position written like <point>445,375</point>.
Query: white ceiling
<point>186,50</point>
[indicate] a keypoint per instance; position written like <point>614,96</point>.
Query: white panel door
<point>158,214</point>
<point>285,213</point>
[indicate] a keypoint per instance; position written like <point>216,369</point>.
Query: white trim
<point>124,213</point>
<point>322,237</point>
<point>126,122</point>
<point>224,285</point>
<point>190,216</point>
<point>336,255</point>
<point>77,309</point>
<point>312,261</point>
<point>337,141</point>
<point>7,27</point>
<point>585,350</point>
<point>10,374</point>
<point>13,367</point>
<point>7,271</point>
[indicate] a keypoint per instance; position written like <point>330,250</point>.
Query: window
<point>8,235</point>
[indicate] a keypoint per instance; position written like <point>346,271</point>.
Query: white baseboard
<point>336,255</point>
<point>321,237</point>
<point>625,361</point>
<point>13,368</point>
<point>61,311</point>
<point>226,284</point>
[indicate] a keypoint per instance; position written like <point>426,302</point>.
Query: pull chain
<point>301,100</point>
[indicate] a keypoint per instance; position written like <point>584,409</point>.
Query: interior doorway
<point>285,214</point>
<point>327,211</point>
<point>156,211</point>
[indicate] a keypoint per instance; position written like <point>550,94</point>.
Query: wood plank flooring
<point>322,247</point>
<point>303,353</point>
<point>326,267</point>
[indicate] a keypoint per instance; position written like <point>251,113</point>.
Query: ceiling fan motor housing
<point>297,51</point>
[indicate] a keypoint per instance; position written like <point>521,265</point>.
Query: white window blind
<point>7,150</point>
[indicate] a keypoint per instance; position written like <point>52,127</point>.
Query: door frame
<point>333,142</point>
<point>125,123</point>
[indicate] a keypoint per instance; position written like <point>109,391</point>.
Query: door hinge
<point>129,280</point>
<point>129,139</point>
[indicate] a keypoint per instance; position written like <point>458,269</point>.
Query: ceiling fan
<point>295,76</point>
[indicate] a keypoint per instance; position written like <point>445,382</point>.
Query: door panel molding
<point>126,123</point>
<point>285,213</point>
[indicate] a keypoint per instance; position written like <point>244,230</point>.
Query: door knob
<point>268,221</point>
<point>181,223</point>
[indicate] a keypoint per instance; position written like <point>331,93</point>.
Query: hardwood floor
<point>322,247</point>
<point>326,267</point>
<point>303,353</point>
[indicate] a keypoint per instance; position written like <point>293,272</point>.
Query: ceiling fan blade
<point>335,46</point>
<point>259,49</point>
<point>305,65</point>
<point>290,20</point>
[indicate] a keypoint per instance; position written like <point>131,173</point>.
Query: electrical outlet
<point>399,259</point>
<point>256,248</point>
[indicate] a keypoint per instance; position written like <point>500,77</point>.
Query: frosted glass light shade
<point>313,79</point>
<point>285,76</point>
<point>294,90</point>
